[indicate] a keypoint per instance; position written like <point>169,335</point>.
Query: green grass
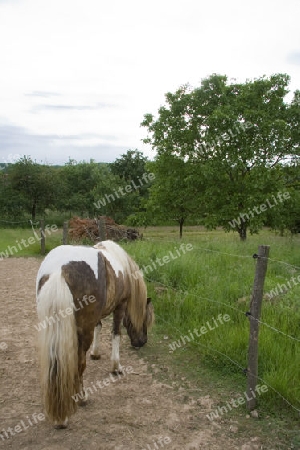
<point>16,242</point>
<point>215,277</point>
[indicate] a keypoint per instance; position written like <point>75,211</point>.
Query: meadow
<point>201,288</point>
<point>215,279</point>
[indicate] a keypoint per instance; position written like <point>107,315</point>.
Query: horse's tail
<point>58,345</point>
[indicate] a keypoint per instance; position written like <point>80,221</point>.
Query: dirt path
<point>134,412</point>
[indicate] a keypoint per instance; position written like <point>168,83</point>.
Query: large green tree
<point>238,134</point>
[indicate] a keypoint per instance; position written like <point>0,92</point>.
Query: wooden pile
<point>100,228</point>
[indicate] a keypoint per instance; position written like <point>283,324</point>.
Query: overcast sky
<point>77,76</point>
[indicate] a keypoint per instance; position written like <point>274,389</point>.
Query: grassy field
<point>201,287</point>
<point>26,241</point>
<point>214,280</point>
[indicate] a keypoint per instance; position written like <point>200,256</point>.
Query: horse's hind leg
<point>84,342</point>
<point>116,336</point>
<point>95,352</point>
<point>83,396</point>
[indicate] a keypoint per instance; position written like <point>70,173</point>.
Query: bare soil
<point>132,412</point>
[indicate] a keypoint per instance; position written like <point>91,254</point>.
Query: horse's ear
<point>148,300</point>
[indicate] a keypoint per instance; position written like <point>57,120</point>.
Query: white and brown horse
<point>76,287</point>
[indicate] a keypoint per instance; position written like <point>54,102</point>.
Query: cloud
<point>43,94</point>
<point>16,142</point>
<point>73,107</point>
<point>70,68</point>
<point>294,58</point>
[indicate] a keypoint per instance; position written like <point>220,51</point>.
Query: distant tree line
<point>227,154</point>
<point>87,189</point>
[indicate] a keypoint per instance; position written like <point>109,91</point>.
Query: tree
<point>78,180</point>
<point>113,196</point>
<point>237,134</point>
<point>33,186</point>
<point>287,214</point>
<point>11,205</point>
<point>130,166</point>
<point>172,196</point>
<point>132,169</point>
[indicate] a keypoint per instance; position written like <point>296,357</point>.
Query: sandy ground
<point>134,412</point>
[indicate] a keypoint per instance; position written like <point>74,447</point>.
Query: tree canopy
<point>239,136</point>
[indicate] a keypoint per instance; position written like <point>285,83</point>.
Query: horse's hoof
<point>95,357</point>
<point>61,426</point>
<point>117,371</point>
<point>82,403</point>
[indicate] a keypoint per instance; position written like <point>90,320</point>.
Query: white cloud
<point>79,67</point>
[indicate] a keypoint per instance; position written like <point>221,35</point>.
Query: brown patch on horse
<point>89,296</point>
<point>119,314</point>
<point>117,289</point>
<point>42,281</point>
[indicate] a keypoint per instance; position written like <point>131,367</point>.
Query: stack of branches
<point>99,229</point>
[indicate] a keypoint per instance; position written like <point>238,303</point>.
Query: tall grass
<point>216,278</point>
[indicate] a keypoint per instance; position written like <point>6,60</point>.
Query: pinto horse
<point>76,287</point>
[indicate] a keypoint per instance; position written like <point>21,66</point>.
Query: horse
<point>76,287</point>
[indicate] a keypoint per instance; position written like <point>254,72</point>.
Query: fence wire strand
<point>227,305</point>
<point>240,367</point>
<point>230,254</point>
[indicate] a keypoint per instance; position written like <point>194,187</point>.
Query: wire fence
<point>237,364</point>
<point>28,221</point>
<point>227,305</point>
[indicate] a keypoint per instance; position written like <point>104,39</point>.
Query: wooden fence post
<point>65,233</point>
<point>43,241</point>
<point>254,316</point>
<point>101,228</point>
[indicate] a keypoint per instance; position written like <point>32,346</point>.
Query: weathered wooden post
<point>43,240</point>
<point>65,233</point>
<point>254,316</point>
<point>101,229</point>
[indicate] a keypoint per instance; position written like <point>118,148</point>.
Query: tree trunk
<point>242,230</point>
<point>180,227</point>
<point>33,211</point>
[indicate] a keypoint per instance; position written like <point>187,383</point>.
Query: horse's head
<point>139,338</point>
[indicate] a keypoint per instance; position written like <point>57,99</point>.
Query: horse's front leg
<point>116,337</point>
<point>95,352</point>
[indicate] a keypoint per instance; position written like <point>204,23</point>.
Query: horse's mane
<point>137,302</point>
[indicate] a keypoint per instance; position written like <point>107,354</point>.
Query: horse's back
<point>116,256</point>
